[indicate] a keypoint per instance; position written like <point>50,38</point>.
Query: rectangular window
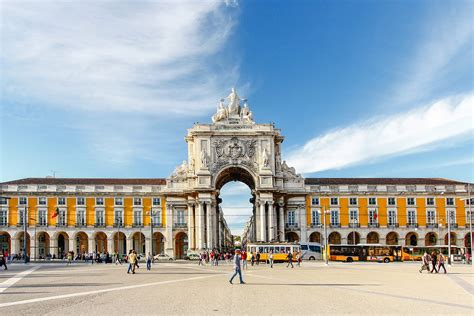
<point>23,200</point>
<point>180,217</point>
<point>392,217</point>
<point>118,217</point>
<point>352,201</point>
<point>373,216</point>
<point>315,217</point>
<point>411,220</point>
<point>353,216</point>
<point>450,201</point>
<point>99,201</point>
<point>156,201</point>
<point>118,201</point>
<point>372,201</point>
<point>42,217</point>
<point>21,217</point>
<point>156,217</point>
<point>61,201</point>
<point>430,201</point>
<point>137,217</point>
<point>315,201</point>
<point>472,201</point>
<point>62,217</point>
<point>137,201</point>
<point>334,201</point>
<point>81,218</point>
<point>81,201</point>
<point>467,216</point>
<point>334,217</point>
<point>99,217</point>
<point>291,217</point>
<point>3,218</point>
<point>452,216</point>
<point>391,201</point>
<point>42,201</point>
<point>430,217</point>
<point>3,201</point>
<point>410,201</point>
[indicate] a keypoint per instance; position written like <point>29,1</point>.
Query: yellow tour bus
<point>364,252</point>
<point>280,250</point>
<point>415,253</point>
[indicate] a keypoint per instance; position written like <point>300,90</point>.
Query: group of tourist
<point>436,259</point>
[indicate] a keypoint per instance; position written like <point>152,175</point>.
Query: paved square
<point>177,288</point>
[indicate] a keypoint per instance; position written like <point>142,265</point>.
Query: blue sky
<point>359,88</point>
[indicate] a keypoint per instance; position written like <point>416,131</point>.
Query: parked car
<point>162,257</point>
<point>192,256</point>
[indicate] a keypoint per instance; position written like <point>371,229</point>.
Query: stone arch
<point>158,243</point>
<point>100,239</point>
<point>233,173</point>
<point>315,237</point>
<point>138,242</point>
<point>5,241</point>
<point>373,238</point>
<point>81,243</point>
<point>292,237</point>
<point>19,242</point>
<point>120,243</point>
<point>180,245</point>
<point>391,238</point>
<point>411,239</point>
<point>431,239</point>
<point>467,242</point>
<point>62,240</point>
<point>43,245</point>
<point>334,238</point>
<point>453,239</point>
<point>353,238</point>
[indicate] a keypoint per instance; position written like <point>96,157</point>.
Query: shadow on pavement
<point>312,284</point>
<point>63,285</point>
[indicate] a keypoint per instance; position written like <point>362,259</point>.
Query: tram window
<point>313,248</point>
<point>260,249</point>
<point>265,249</point>
<point>287,249</point>
<point>304,247</point>
<point>277,249</point>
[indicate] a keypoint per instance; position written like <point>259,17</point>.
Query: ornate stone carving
<point>233,113</point>
<point>289,172</point>
<point>180,171</point>
<point>234,151</point>
<point>204,159</point>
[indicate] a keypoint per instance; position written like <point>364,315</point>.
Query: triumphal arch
<point>235,148</point>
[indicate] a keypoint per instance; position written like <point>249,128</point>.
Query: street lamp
<point>151,213</point>
<point>470,217</point>
<point>325,234</point>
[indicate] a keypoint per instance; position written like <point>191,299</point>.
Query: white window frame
<point>450,199</point>
<point>118,199</point>
<point>137,199</point>
<point>453,218</point>
<point>62,217</point>
<point>394,201</point>
<point>80,198</point>
<point>334,215</point>
<point>371,213</point>
<point>121,210</point>
<point>428,198</point>
<point>291,217</point>
<point>84,217</point>
<point>428,221</point>
<point>59,199</point>
<point>42,217</point>
<point>331,201</point>
<point>156,199</point>
<point>44,199</point>
<point>315,217</point>
<point>99,199</point>
<point>5,221</point>
<point>180,217</point>
<point>369,199</point>
<point>467,215</point>
<point>102,217</point>
<point>3,201</point>
<point>315,199</point>
<point>19,201</point>
<point>21,216</point>
<point>156,217</point>
<point>353,219</point>
<point>137,216</point>
<point>411,198</point>
<point>391,211</point>
<point>356,201</point>
<point>409,222</point>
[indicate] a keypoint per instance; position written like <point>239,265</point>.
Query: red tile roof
<point>88,181</point>
<point>381,181</point>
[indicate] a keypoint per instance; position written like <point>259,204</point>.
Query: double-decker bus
<point>415,253</point>
<point>280,250</point>
<point>364,252</point>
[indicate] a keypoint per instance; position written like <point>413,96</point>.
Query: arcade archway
<point>334,238</point>
<point>315,237</point>
<point>181,245</point>
<point>5,242</point>
<point>353,238</point>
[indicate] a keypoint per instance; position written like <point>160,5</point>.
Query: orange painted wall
<point>461,212</point>
<point>71,211</point>
<point>382,211</point>
<point>421,211</point>
<point>363,212</point>
<point>324,201</point>
<point>163,211</point>
<point>32,208</point>
<point>90,211</point>
<point>402,211</point>
<point>146,211</point>
<point>344,211</point>
<point>109,211</point>
<point>13,211</point>
<point>128,211</point>
<point>52,203</point>
<point>441,210</point>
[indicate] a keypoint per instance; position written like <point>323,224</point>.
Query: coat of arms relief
<point>233,151</point>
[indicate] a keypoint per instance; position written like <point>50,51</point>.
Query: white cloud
<point>382,137</point>
<point>149,56</point>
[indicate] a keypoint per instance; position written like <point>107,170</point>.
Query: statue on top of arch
<point>233,111</point>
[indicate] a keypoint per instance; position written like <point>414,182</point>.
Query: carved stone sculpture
<point>204,159</point>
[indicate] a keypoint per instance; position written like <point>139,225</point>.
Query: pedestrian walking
<point>289,257</point>
<point>136,260</point>
<point>237,268</point>
<point>244,260</point>
<point>69,257</point>
<point>270,258</point>
<point>3,260</point>
<point>252,258</point>
<point>132,258</point>
<point>201,259</point>
<point>441,263</point>
<point>434,260</point>
<point>425,262</point>
<point>298,259</point>
<point>258,258</point>
<point>148,261</point>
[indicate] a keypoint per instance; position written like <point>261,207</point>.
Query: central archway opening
<point>235,188</point>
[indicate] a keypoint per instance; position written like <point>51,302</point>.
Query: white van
<point>311,251</point>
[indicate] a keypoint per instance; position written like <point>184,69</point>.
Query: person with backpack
<point>289,257</point>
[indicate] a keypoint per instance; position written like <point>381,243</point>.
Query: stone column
<point>257,221</point>
<point>110,245</point>
<point>281,210</point>
<point>209,227</point>
<point>129,245</point>
<point>33,244</point>
<point>200,227</point>
<point>91,245</point>
<point>169,230</point>
<point>71,245</point>
<point>53,246</point>
<point>13,246</point>
<point>190,227</point>
<point>271,219</point>
<point>263,233</point>
<point>304,225</point>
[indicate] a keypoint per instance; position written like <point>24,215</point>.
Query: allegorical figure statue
<point>204,158</point>
<point>234,102</point>
<point>221,113</point>
<point>246,114</point>
<point>266,158</point>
